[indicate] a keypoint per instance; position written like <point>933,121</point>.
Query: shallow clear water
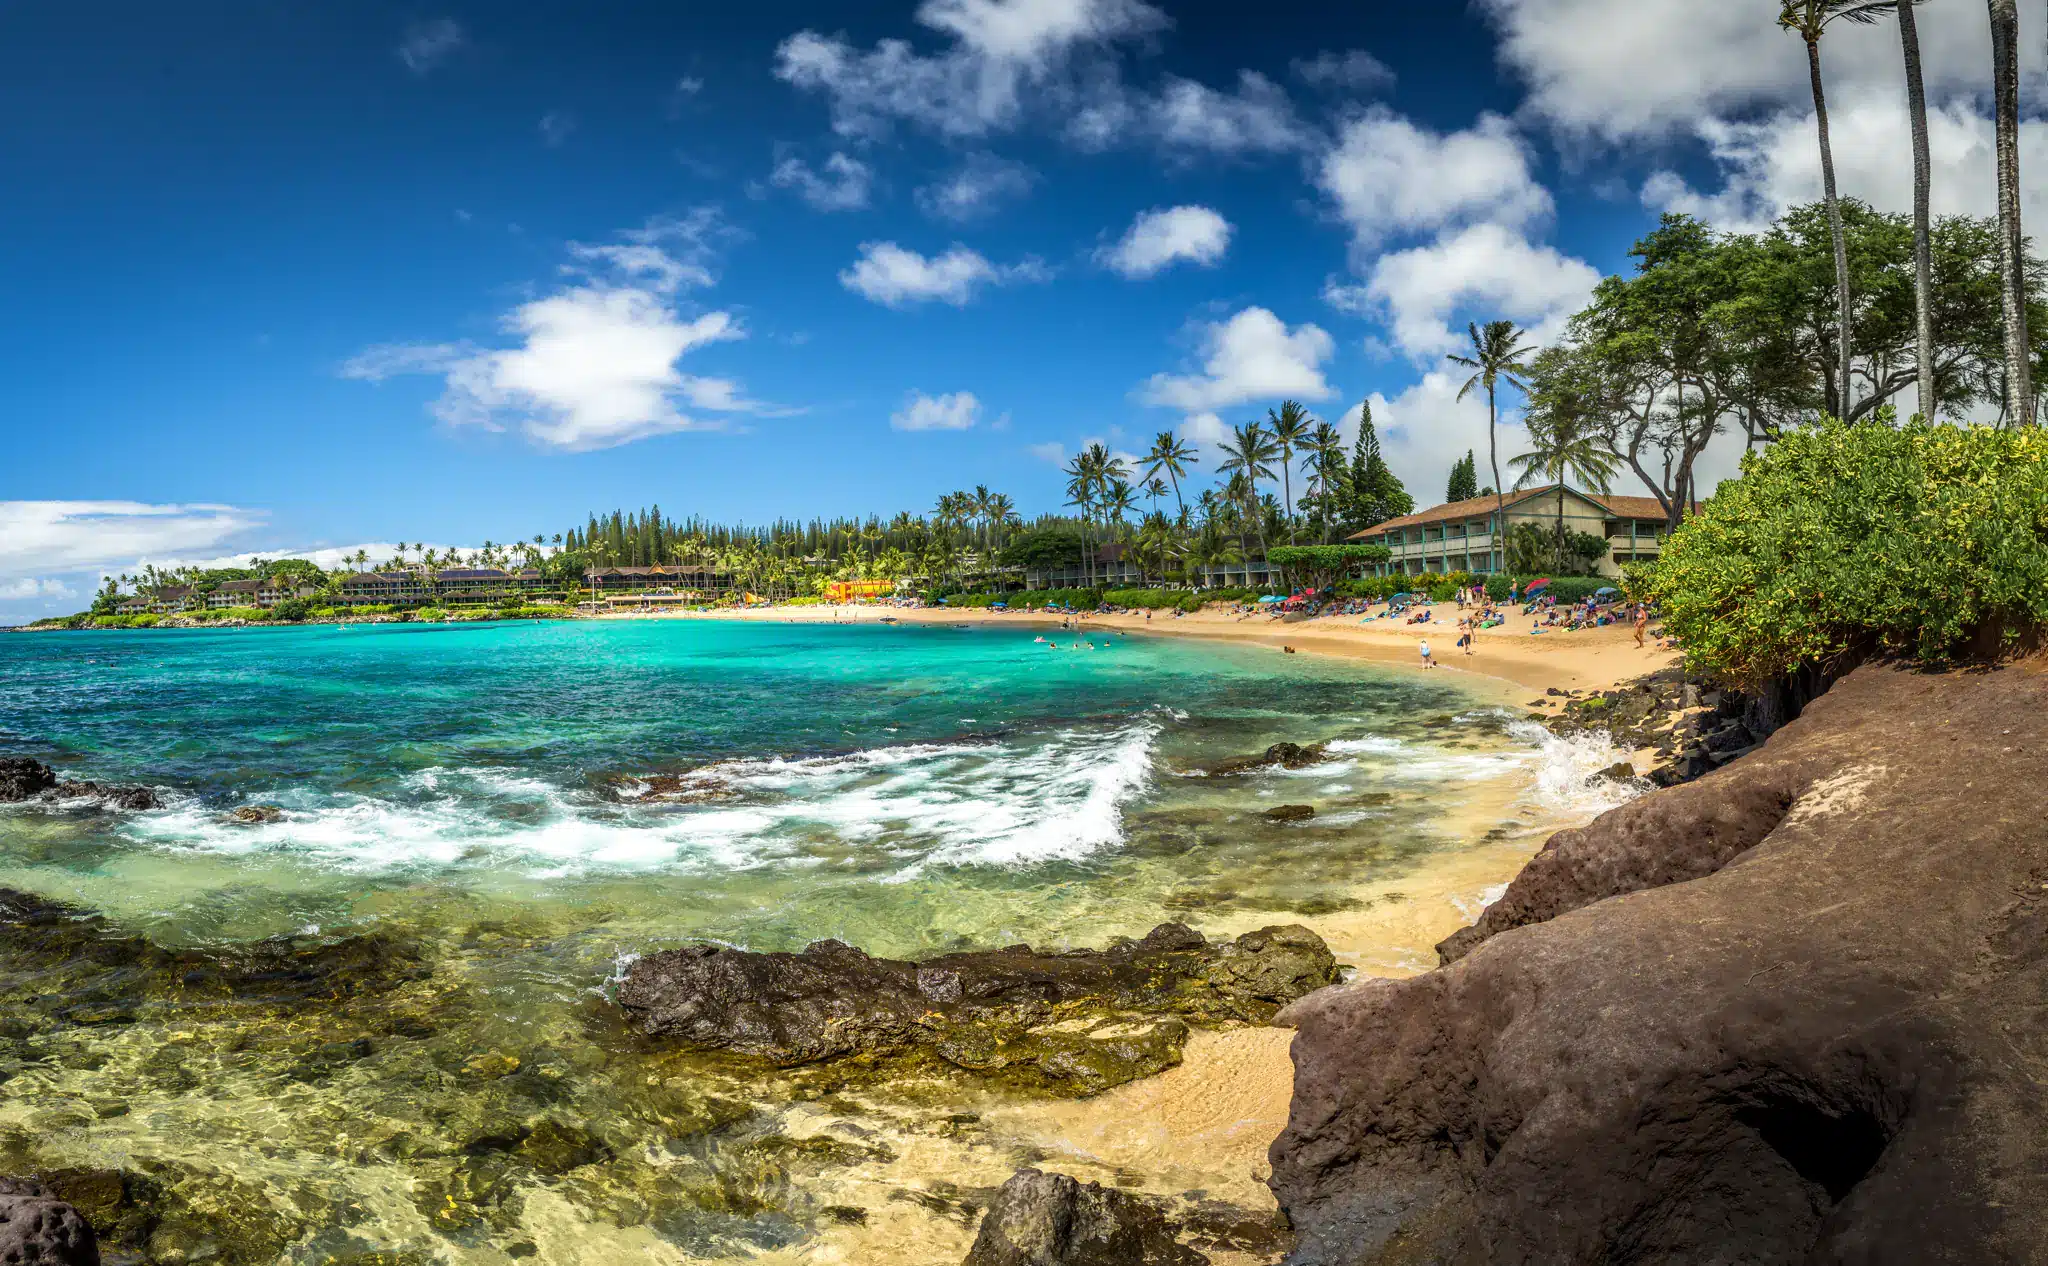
<point>495,796</point>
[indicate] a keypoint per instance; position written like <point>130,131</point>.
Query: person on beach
<point>1642,623</point>
<point>1427,662</point>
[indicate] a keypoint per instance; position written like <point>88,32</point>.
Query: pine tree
<point>1376,495</point>
<point>1464,485</point>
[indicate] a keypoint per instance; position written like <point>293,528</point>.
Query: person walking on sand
<point>1427,662</point>
<point>1642,623</point>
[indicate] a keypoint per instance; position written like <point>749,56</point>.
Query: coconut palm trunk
<point>1835,230</point>
<point>2005,63</point>
<point>1923,185</point>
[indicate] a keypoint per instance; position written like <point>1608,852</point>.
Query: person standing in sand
<point>1642,623</point>
<point>1427,662</point>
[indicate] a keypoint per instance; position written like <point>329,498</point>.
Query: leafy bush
<point>291,610</point>
<point>1155,599</point>
<point>1917,541</point>
<point>431,613</point>
<point>1079,599</point>
<point>144,620</point>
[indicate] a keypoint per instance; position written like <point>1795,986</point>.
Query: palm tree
<point>1173,456</point>
<point>1497,357</point>
<point>1809,19</point>
<point>1001,513</point>
<point>1289,428</point>
<point>1117,501</point>
<point>1923,188</point>
<point>2012,260</point>
<point>1081,495</point>
<point>1323,454</point>
<point>1565,442</point>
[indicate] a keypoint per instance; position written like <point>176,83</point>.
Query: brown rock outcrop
<point>1041,1219</point>
<point>1076,1021</point>
<point>1791,1012</point>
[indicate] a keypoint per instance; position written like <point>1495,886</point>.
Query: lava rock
<point>257,814</point>
<point>1620,771</point>
<point>22,778</point>
<point>1077,1021</point>
<point>37,1229</point>
<point>1290,813</point>
<point>1041,1219</point>
<point>1786,1013</point>
<point>1284,755</point>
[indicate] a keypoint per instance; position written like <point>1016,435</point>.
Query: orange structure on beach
<point>855,590</point>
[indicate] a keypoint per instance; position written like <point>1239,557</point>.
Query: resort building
<point>170,598</point>
<point>675,581</point>
<point>1118,567</point>
<point>378,588</point>
<point>474,586</point>
<point>1464,536</point>
<point>252,593</point>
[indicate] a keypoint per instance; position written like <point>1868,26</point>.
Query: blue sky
<point>287,277</point>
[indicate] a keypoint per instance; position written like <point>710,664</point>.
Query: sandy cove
<point>1206,1123</point>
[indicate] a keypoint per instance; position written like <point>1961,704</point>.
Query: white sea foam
<point>1565,765</point>
<point>1060,796</point>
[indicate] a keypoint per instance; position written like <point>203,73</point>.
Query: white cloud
<point>1426,428</point>
<point>1386,176</point>
<point>1052,451</point>
<point>428,44</point>
<point>1485,266</point>
<point>973,86</point>
<point>44,538</point>
<point>1770,164</point>
<point>1186,115</point>
<point>1252,356</point>
<point>1610,70</point>
<point>555,127</point>
<point>889,274</point>
<point>1159,237</point>
<point>35,587</point>
<point>688,86</point>
<point>594,364</point>
<point>981,184</point>
<point>843,186</point>
<point>956,411</point>
<point>1354,71</point>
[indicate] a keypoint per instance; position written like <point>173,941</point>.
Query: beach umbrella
<point>1534,585</point>
<point>1604,590</point>
<point>1269,599</point>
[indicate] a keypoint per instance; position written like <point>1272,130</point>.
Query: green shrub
<point>144,620</point>
<point>431,613</point>
<point>1915,541</point>
<point>291,610</point>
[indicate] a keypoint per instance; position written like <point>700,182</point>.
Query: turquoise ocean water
<point>523,807</point>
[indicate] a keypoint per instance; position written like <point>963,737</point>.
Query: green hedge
<point>1566,589</point>
<point>1917,541</point>
<point>146,620</point>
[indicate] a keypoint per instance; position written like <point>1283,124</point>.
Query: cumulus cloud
<point>1610,70</point>
<point>1483,267</point>
<point>842,186</point>
<point>44,538</point>
<point>955,411</point>
<point>896,277</point>
<point>34,587</point>
<point>594,364</point>
<point>1768,165</point>
<point>973,86</point>
<point>981,184</point>
<point>555,127</point>
<point>1251,356</point>
<point>1160,237</point>
<point>1386,175</point>
<point>428,44</point>
<point>1051,451</point>
<point>1007,60</point>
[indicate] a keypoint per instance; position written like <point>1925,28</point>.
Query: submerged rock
<point>1290,813</point>
<point>1787,1013</point>
<point>257,814</point>
<point>1079,1021</point>
<point>21,778</point>
<point>1041,1219</point>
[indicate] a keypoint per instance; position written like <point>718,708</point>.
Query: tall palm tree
<point>1081,490</point>
<point>1117,501</point>
<point>1323,457</point>
<point>1565,442</point>
<point>1289,427</point>
<point>1171,454</point>
<point>1245,456</point>
<point>2012,260</point>
<point>1923,192</point>
<point>1498,356</point>
<point>1809,19</point>
<point>1002,512</point>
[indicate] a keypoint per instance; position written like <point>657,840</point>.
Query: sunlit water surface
<point>481,795</point>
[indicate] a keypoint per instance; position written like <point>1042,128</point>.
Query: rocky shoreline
<point>1784,1012</point>
<point>1688,727</point>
